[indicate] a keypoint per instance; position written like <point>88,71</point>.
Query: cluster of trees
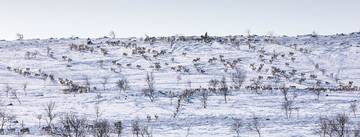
<point>64,125</point>
<point>255,124</point>
<point>338,126</point>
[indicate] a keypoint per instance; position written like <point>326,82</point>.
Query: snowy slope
<point>333,60</point>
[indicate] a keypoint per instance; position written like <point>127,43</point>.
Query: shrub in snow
<point>256,125</point>
<point>336,127</point>
<point>101,128</point>
<point>236,126</point>
<point>118,127</point>
<point>238,77</point>
<point>224,88</point>
<point>71,125</point>
<point>123,84</point>
<point>49,113</point>
<point>150,90</point>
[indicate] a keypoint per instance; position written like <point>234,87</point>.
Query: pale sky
<point>96,18</point>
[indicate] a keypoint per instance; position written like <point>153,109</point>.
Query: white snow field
<point>182,68</point>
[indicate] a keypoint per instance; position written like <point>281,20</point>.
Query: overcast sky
<point>96,18</point>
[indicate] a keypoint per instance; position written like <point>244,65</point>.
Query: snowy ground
<point>332,59</point>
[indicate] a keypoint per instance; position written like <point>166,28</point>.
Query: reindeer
<point>24,130</point>
<point>196,59</point>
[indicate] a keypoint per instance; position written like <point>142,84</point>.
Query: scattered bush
<point>334,127</point>
<point>236,126</point>
<point>353,108</point>
<point>135,128</point>
<point>49,112</point>
<point>204,98</point>
<point>238,78</point>
<point>104,82</point>
<point>224,88</point>
<point>123,84</point>
<point>3,120</point>
<point>101,128</point>
<point>256,125</point>
<point>118,128</point>
<point>150,90</point>
<point>71,125</point>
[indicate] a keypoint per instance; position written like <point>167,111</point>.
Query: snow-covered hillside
<point>194,91</point>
